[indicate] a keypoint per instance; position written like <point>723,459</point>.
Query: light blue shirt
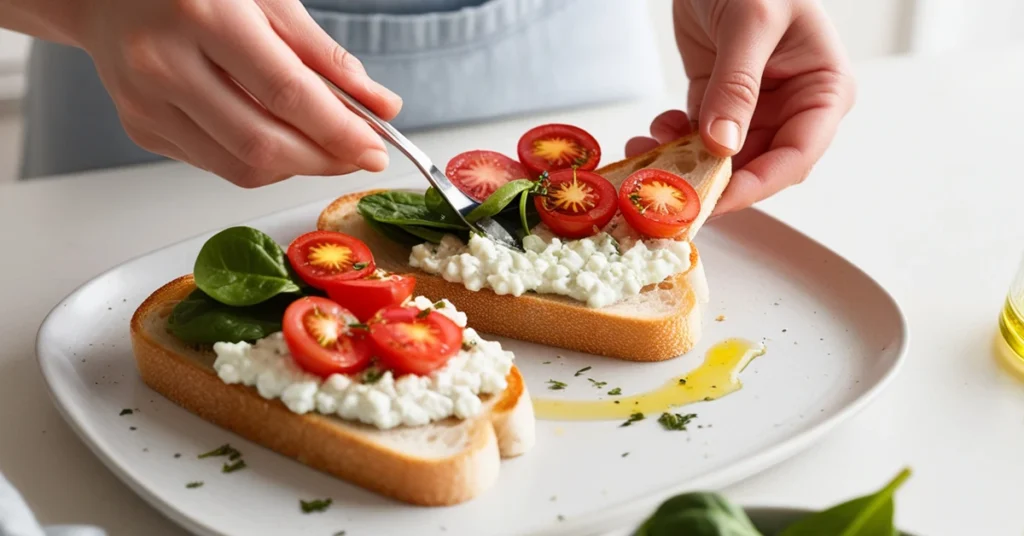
<point>452,61</point>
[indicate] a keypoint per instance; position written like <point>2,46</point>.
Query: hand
<point>769,83</point>
<point>224,85</point>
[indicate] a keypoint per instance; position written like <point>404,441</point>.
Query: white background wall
<point>868,28</point>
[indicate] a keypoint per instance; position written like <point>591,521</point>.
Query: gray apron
<point>452,61</point>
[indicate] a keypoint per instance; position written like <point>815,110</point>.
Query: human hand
<point>769,83</point>
<point>225,86</point>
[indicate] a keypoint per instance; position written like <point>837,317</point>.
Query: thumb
<point>745,37</point>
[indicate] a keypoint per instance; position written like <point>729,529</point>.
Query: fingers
<point>250,52</point>
<point>746,35</point>
<point>246,130</point>
<point>319,51</point>
<point>796,146</point>
<point>670,125</point>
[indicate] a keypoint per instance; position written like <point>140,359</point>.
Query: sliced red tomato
<point>577,203</point>
<point>407,340</point>
<point>364,297</point>
<point>320,340</point>
<point>479,173</point>
<point>556,146</point>
<point>657,203</point>
<point>323,257</point>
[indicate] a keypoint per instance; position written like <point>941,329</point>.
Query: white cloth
<point>17,519</point>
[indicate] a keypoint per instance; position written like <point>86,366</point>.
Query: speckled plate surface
<point>834,338</point>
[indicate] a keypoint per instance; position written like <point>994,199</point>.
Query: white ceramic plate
<point>834,339</point>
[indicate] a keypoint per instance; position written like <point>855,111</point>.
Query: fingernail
<point>385,93</point>
<point>373,160</point>
<point>726,133</point>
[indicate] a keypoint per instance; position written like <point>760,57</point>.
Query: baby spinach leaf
<point>393,232</point>
<point>242,266</point>
<point>200,319</point>
<point>403,208</point>
<point>501,198</point>
<point>436,204</point>
<point>864,516</point>
<point>698,514</point>
<point>426,233</point>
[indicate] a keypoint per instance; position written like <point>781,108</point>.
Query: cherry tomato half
<point>364,297</point>
<point>323,257</point>
<point>657,203</point>
<point>407,340</point>
<point>577,204</point>
<point>318,336</point>
<point>556,146</point>
<point>479,173</point>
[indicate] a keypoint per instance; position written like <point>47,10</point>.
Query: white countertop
<point>922,188</point>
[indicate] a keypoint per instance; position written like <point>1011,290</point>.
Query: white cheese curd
<point>480,368</point>
<point>596,270</point>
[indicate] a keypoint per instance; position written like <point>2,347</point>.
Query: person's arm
<point>226,85</point>
<point>52,20</point>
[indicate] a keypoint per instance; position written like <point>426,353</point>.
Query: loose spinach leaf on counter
<point>698,514</point>
<point>403,208</point>
<point>242,266</point>
<point>199,319</point>
<point>864,516</point>
<point>501,198</point>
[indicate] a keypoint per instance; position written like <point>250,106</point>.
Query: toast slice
<point>662,322</point>
<point>443,463</point>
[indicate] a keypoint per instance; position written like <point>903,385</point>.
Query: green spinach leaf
<point>403,208</point>
<point>864,516</point>
<point>242,266</point>
<point>436,204</point>
<point>393,232</point>
<point>698,514</point>
<point>426,233</point>
<point>501,198</point>
<point>200,319</point>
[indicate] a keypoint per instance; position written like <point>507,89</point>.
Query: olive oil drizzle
<point>716,377</point>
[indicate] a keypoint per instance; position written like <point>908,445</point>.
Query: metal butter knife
<point>460,202</point>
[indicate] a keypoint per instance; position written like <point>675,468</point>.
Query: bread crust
<point>357,453</point>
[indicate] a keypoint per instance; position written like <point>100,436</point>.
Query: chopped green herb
<point>632,419</point>
<point>132,428</point>
<point>439,304</point>
<point>467,346</point>
<point>177,454</point>
<point>339,533</point>
<point>546,363</point>
<point>615,392</point>
<point>423,314</point>
<point>596,383</point>
<point>359,265</point>
<point>708,399</point>
<point>556,385</point>
<point>223,450</point>
<point>617,402</point>
<point>231,468</point>
<point>624,454</point>
<point>682,381</point>
<point>582,370</point>
<point>193,485</point>
<point>675,421</point>
<point>372,375</point>
<point>561,517</point>
<point>125,411</point>
<point>316,505</point>
<point>358,325</point>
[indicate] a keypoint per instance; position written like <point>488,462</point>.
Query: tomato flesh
<point>364,297</point>
<point>577,203</point>
<point>557,146</point>
<point>409,341</point>
<point>479,173</point>
<point>320,340</point>
<point>658,204</point>
<point>323,257</point>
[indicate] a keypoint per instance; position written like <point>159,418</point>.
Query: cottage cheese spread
<point>599,270</point>
<point>480,368</point>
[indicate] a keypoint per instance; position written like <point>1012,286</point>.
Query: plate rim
<point>608,518</point>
